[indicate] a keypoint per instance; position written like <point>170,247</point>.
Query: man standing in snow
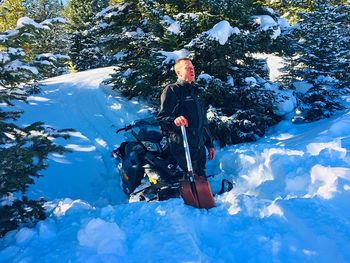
<point>180,105</point>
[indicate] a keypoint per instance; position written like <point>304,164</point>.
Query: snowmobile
<point>149,173</point>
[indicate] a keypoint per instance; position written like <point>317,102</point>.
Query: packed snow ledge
<point>290,202</point>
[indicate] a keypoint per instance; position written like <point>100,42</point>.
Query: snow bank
<point>289,202</point>
<point>104,237</point>
<point>67,204</point>
<point>324,180</point>
<point>24,235</point>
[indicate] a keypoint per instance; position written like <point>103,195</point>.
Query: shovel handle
<point>187,150</point>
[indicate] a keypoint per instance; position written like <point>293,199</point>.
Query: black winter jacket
<point>178,99</point>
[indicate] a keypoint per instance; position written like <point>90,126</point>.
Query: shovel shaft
<point>195,190</point>
<point>187,150</point>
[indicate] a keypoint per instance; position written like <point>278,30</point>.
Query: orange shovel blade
<point>198,194</point>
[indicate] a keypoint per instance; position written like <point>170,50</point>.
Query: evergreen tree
<point>319,56</point>
<point>290,9</point>
<point>40,10</point>
<point>85,52</point>
<point>80,13</point>
<point>128,32</point>
<point>23,150</point>
<point>236,84</point>
<point>10,12</point>
<point>51,48</point>
<point>149,36</point>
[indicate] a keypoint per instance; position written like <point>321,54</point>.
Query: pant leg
<point>199,161</point>
<point>198,158</point>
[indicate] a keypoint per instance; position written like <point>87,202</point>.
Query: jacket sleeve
<point>208,139</point>
<point>168,105</point>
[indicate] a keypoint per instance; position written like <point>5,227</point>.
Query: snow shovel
<point>195,190</point>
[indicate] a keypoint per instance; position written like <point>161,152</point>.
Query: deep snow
<point>289,204</point>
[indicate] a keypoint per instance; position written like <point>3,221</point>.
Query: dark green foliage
<point>23,154</point>
<point>240,113</point>
<point>80,13</point>
<point>39,10</point>
<point>235,11</point>
<point>142,33</point>
<point>319,54</point>
<point>27,44</point>
<point>51,49</point>
<point>23,150</point>
<point>113,23</point>
<point>291,9</point>
<point>84,50</point>
<point>318,103</point>
<point>23,211</point>
<point>140,72</point>
<point>323,44</point>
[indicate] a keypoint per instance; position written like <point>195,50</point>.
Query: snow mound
<point>324,180</point>
<point>104,237</point>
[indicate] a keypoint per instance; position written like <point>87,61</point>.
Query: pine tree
<point>23,150</point>
<point>85,52</point>
<point>149,36</point>
<point>130,32</point>
<point>319,56</point>
<point>10,12</point>
<point>40,10</point>
<point>52,48</point>
<point>290,9</point>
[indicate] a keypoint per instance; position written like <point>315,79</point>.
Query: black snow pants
<point>198,158</point>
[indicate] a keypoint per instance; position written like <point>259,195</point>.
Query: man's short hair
<point>179,60</point>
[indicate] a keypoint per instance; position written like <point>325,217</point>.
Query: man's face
<point>185,71</point>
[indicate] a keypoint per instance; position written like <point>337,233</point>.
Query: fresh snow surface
<point>17,65</point>
<point>274,64</point>
<point>27,21</point>
<point>173,26</point>
<point>266,22</point>
<point>118,8</point>
<point>283,23</point>
<point>222,31</point>
<point>54,21</point>
<point>174,55</point>
<point>290,202</point>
